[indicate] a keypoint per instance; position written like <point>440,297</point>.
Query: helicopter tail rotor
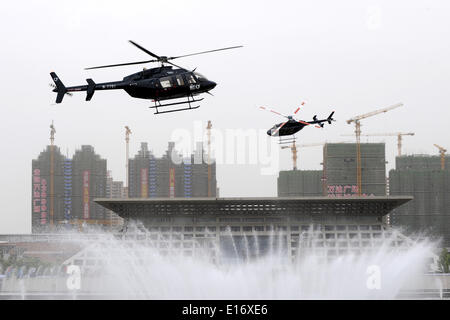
<point>60,88</point>
<point>330,118</point>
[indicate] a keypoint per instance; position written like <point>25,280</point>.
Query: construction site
<point>359,169</point>
<point>64,188</point>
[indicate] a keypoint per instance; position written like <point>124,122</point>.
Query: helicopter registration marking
<point>194,86</point>
<point>109,86</point>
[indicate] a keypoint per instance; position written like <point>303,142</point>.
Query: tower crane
<point>294,147</point>
<point>127,141</point>
<point>398,134</point>
<point>442,151</point>
<point>208,127</point>
<point>357,120</point>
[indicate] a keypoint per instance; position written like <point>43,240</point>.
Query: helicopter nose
<point>269,132</point>
<point>210,85</point>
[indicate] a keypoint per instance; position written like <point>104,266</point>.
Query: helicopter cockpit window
<point>190,78</point>
<point>200,76</point>
<point>180,80</point>
<point>165,82</point>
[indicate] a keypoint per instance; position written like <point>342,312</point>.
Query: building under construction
<point>76,182</point>
<point>300,183</point>
<point>339,175</point>
<point>88,182</point>
<point>41,197</point>
<point>422,177</point>
<point>340,169</point>
<point>165,177</point>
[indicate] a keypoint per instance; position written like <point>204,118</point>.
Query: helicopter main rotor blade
<point>307,123</point>
<point>303,122</point>
<point>121,64</point>
<point>193,54</point>
<point>145,50</point>
<point>273,111</point>
<point>302,104</point>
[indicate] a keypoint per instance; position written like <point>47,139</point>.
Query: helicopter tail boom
<point>61,90</point>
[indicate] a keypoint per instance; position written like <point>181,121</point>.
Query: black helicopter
<point>292,126</point>
<point>160,83</point>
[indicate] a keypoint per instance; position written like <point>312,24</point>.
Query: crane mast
<point>357,122</point>
<point>208,127</point>
<point>127,141</point>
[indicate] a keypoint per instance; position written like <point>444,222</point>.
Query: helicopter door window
<point>166,82</point>
<point>180,80</point>
<point>190,79</point>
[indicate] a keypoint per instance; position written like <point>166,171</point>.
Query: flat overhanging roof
<point>144,207</point>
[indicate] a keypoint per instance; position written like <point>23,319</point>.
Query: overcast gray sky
<point>349,56</point>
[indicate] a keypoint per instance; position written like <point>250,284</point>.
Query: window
<point>176,236</point>
<point>200,76</point>
<point>190,78</point>
<point>235,229</point>
<point>180,80</point>
<point>166,82</point>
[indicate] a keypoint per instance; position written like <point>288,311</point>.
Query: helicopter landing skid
<point>286,140</point>
<point>189,101</point>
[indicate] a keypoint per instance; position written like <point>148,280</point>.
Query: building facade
<point>300,183</point>
<point>75,183</point>
<point>244,228</point>
<point>114,190</point>
<point>421,176</point>
<point>48,208</point>
<point>338,178</point>
<point>340,169</point>
<point>88,182</point>
<point>164,177</point>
